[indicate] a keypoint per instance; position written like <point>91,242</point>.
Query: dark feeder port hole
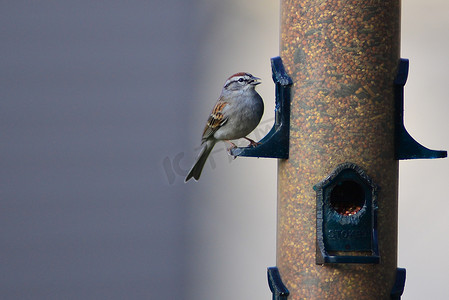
<point>347,198</point>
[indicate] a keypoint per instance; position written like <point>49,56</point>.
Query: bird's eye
<point>241,80</point>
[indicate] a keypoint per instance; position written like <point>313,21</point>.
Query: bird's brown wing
<point>215,121</point>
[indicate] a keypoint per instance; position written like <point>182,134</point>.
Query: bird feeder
<point>339,136</point>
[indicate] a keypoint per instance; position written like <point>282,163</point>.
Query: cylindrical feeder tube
<point>342,56</point>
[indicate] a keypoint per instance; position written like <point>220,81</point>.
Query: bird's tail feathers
<point>195,172</point>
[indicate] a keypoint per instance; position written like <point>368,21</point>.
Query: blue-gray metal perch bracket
<point>276,143</point>
<point>277,287</point>
<point>405,146</point>
<point>399,284</point>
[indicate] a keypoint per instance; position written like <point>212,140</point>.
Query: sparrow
<point>235,115</point>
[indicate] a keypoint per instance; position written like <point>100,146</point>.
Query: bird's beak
<point>256,81</point>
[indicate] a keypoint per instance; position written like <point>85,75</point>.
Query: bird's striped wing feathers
<point>216,120</point>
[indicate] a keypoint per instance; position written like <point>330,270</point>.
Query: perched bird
<point>237,112</point>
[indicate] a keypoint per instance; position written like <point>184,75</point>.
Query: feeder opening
<point>347,198</point>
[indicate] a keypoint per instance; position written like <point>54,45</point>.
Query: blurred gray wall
<point>102,105</point>
<point>92,94</point>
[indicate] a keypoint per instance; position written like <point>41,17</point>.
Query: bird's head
<point>240,82</point>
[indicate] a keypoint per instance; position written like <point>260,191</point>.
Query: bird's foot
<point>251,142</point>
<point>231,146</point>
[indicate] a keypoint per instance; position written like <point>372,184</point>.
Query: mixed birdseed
<point>342,57</point>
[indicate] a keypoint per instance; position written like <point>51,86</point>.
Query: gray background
<point>101,110</point>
